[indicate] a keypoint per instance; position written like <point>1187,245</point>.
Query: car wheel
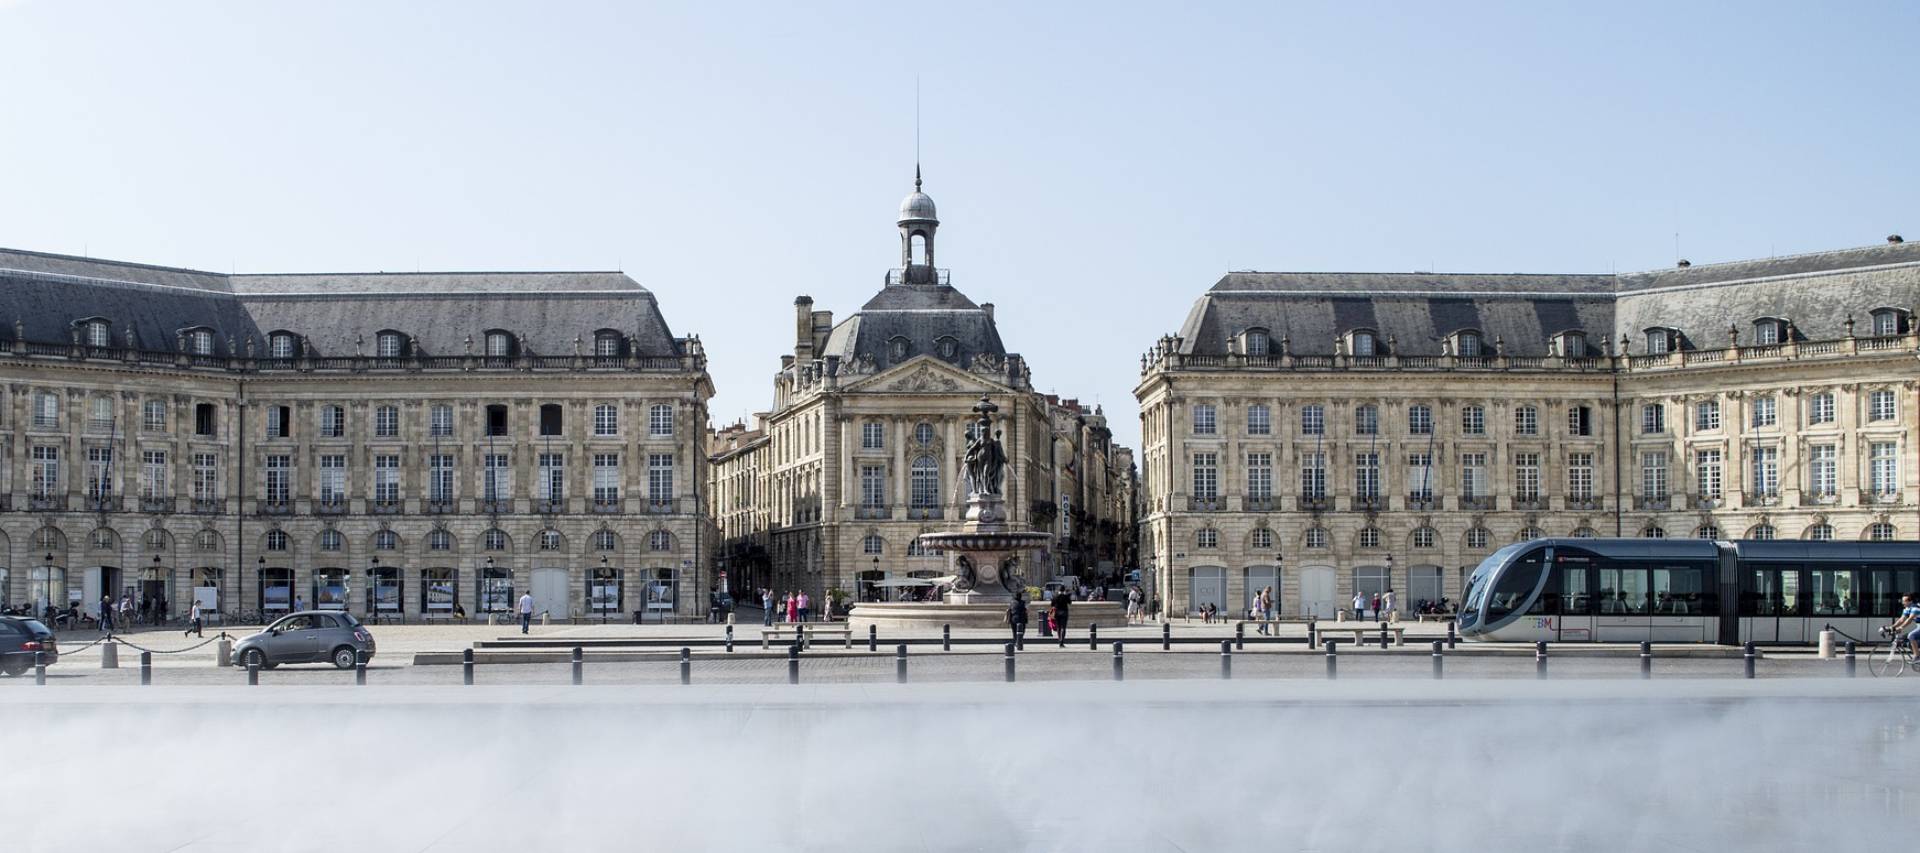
<point>255,657</point>
<point>345,657</point>
<point>12,670</point>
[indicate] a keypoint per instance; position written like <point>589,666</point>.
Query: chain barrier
<point>213,639</point>
<point>67,651</point>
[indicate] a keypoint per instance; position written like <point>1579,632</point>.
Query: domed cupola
<point>917,224</point>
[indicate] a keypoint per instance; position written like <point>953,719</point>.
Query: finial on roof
<point>916,176</point>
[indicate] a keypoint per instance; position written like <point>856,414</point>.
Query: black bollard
<point>1240,636</point>
<point>946,638</point>
<point>900,663</point>
<point>40,668</point>
<point>1540,659</point>
<point>1226,659</point>
<point>1313,630</point>
<point>1439,659</point>
<point>579,666</point>
<point>1093,636</point>
<point>686,665</point>
<point>360,668</point>
<point>466,667</point>
<point>800,636</point>
<point>1750,655</point>
<point>1646,660</point>
<point>1119,663</point>
<point>793,664</point>
<point>146,668</point>
<point>1333,661</point>
<point>1166,636</point>
<point>1009,661</point>
<point>1383,636</point>
<point>729,639</point>
<point>253,673</point>
<point>1850,659</point>
<point>873,638</point>
<point>1452,635</point>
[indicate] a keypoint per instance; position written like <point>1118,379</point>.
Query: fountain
<point>987,554</point>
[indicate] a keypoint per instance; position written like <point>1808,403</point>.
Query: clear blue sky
<point>1097,166</point>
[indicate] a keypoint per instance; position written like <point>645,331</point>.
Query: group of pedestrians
<point>1381,604</point>
<point>1053,621</point>
<point>793,607</point>
<point>1260,610</point>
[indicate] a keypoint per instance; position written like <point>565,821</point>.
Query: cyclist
<point>1909,617</point>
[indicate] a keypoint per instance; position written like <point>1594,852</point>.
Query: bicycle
<point>1898,658</point>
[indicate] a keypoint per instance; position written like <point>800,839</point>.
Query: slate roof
<point>923,314</point>
<point>1817,292</point>
<point>438,311</point>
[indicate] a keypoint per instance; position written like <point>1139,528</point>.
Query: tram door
<point>1622,599</point>
<point>1770,605</point>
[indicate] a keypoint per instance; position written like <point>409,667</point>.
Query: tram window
<point>1567,593</point>
<point>1772,590</point>
<point>1682,590</point>
<point>1833,592</point>
<point>1515,584</point>
<point>1884,588</point>
<point>1623,591</point>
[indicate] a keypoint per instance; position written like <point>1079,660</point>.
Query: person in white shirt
<point>1387,609</point>
<point>1359,606</point>
<point>526,611</point>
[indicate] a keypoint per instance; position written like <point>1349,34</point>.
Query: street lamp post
<point>373,588</point>
<point>260,586</point>
<point>602,579</point>
<point>486,584</point>
<point>49,582</point>
<point>1389,589</point>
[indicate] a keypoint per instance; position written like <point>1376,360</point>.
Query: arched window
<point>1528,534</point>
<point>1572,345</point>
<point>390,345</point>
<point>1822,532</point>
<point>1424,538</point>
<point>551,540</point>
<point>873,545</point>
<point>604,540</point>
<point>608,343</point>
<point>948,347</point>
<point>1585,533</point>
<point>1478,538</point>
<point>1257,342</point>
<point>1769,330</point>
<point>1707,531</point>
<point>660,540</point>
<point>206,541</point>
<point>499,343</point>
<point>200,341</point>
<point>923,434</point>
<point>1316,537</point>
<point>386,540</point>
<point>1206,538</point>
<point>1653,531</point>
<point>1880,531</point>
<point>494,539</point>
<point>898,348</point>
<point>331,540</point>
<point>1888,322</point>
<point>1761,532</point>
<point>1466,344</point>
<point>276,540</point>
<point>1361,342</point>
<point>282,345</point>
<point>98,332</point>
<point>439,540</point>
<point>1661,341</point>
<point>1368,537</point>
<point>1261,540</point>
<point>925,483</point>
<point>915,549</point>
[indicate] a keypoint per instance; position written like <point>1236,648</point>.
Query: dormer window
<point>898,348</point>
<point>1888,322</point>
<point>607,343</point>
<point>1467,344</point>
<point>390,345</point>
<point>1361,342</point>
<point>948,347</point>
<point>282,345</point>
<point>200,341</point>
<point>1572,345</point>
<point>96,332</point>
<point>1769,330</point>
<point>1257,342</point>
<point>1661,341</point>
<point>499,344</point>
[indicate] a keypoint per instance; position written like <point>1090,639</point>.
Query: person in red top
<point>793,607</point>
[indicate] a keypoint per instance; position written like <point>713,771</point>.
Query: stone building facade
<point>399,445</point>
<point>1331,432</point>
<point>860,452</point>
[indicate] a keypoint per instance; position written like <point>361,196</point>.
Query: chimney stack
<point>1894,238</point>
<point>987,307</point>
<point>803,329</point>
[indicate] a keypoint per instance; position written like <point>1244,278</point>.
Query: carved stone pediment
<point>925,375</point>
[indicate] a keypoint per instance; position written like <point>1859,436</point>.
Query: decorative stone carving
<point>923,379</point>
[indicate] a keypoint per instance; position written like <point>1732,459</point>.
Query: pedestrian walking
<point>827,614</point>
<point>1017,617</point>
<point>1061,603</point>
<point>1263,607</point>
<point>299,603</point>
<point>106,614</point>
<point>1133,605</point>
<point>1389,610</point>
<point>526,611</point>
<point>793,608</point>
<point>126,611</point>
<point>806,606</point>
<point>193,622</point>
<point>1376,605</point>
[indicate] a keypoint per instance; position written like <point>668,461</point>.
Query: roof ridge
<point>425,272</point>
<point>1769,259</point>
<point>117,263</point>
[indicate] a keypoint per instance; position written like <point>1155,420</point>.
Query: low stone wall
<point>931,615</point>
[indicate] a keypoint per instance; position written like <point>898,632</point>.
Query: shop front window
<point>384,585</point>
<point>662,590</point>
<point>605,591</point>
<point>276,592</point>
<point>438,591</point>
<point>496,590</point>
<point>330,589</point>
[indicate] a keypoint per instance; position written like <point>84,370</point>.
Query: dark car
<point>310,636</point>
<point>20,639</point>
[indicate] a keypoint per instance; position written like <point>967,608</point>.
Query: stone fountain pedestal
<point>987,561</point>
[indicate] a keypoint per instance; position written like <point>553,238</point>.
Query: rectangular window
<point>279,486</point>
<point>1766,471</point>
<point>873,436</point>
<point>440,478</point>
<point>1206,475</point>
<point>100,418</point>
<point>1313,419</point>
<point>333,479</point>
<point>606,419</point>
<point>99,471</point>
<point>440,421</point>
<point>499,477</point>
<point>1580,476</point>
<point>386,478</point>
<point>46,471</point>
<point>496,420</point>
<point>1653,474</point>
<point>1653,418</point>
<point>1706,415</point>
<point>1526,476</point>
<point>386,422</point>
<point>1260,476</point>
<point>552,485</point>
<point>660,421</point>
<point>333,421</point>
<point>206,477</point>
<point>1313,475</point>
<point>552,419</point>
<point>1823,470</point>
<point>1366,420</point>
<point>1420,476</point>
<point>1579,420</point>
<point>1366,475</point>
<point>153,416</point>
<point>1884,468</point>
<point>1880,406</point>
<point>1764,412</point>
<point>606,478</point>
<point>1259,420</point>
<point>46,411</point>
<point>1473,475</point>
<point>1526,421</point>
<point>1473,420</point>
<point>873,486</point>
<point>203,419</point>
<point>1420,420</point>
<point>659,477</point>
<point>1820,408</point>
<point>1706,473</point>
<point>925,482</point>
<point>153,475</point>
<point>1203,420</point>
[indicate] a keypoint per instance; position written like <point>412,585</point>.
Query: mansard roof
<point>921,315</point>
<point>335,312</point>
